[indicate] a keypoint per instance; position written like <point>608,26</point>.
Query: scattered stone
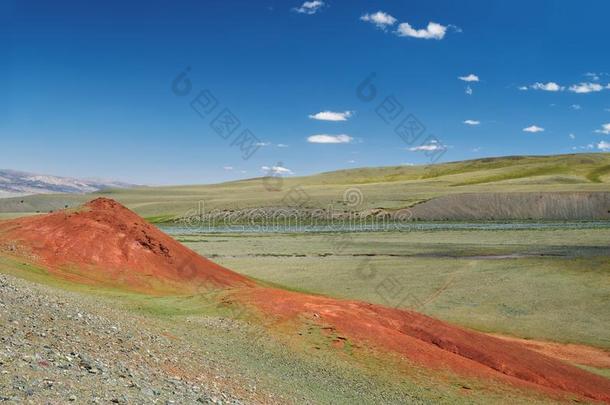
<point>59,347</point>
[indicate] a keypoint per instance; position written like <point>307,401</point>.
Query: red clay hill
<point>105,243</point>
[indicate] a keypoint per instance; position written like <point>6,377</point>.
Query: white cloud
<point>351,161</point>
<point>309,7</point>
<point>228,168</point>
<point>407,164</point>
<point>572,136</point>
<point>325,138</point>
<point>477,149</point>
<point>472,122</point>
<point>263,143</point>
<point>604,130</point>
<point>603,145</point>
<point>583,88</point>
<point>593,76</point>
<point>533,129</point>
<point>276,170</point>
<point>432,31</point>
<point>380,19</point>
<point>432,146</point>
<point>455,28</point>
<point>607,109</point>
<point>576,107</point>
<point>282,145</point>
<point>331,116</point>
<point>550,86</point>
<point>586,147</point>
<point>470,78</point>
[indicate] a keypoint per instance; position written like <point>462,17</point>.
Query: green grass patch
<point>596,174</point>
<point>604,372</point>
<point>554,285</point>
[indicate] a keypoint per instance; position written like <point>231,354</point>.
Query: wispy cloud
<point>603,145</point>
<point>586,87</point>
<point>592,76</point>
<point>228,168</point>
<point>576,107</point>
<point>276,170</point>
<point>581,88</point>
<point>472,122</point>
<point>325,138</point>
<point>550,86</point>
<point>432,31</point>
<point>331,116</point>
<point>469,78</point>
<point>533,129</point>
<point>596,77</point>
<point>605,129</point>
<point>431,146</point>
<point>309,7</point>
<point>282,145</point>
<point>380,19</point>
<point>585,147</point>
<point>572,136</point>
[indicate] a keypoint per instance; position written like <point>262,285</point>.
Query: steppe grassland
<point>387,187</point>
<point>539,284</point>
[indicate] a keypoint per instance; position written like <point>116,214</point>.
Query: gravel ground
<point>63,347</point>
<point>59,347</point>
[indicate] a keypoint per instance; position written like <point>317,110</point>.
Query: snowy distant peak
<point>14,183</point>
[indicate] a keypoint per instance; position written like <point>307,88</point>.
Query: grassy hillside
<point>167,343</point>
<point>384,187</point>
<point>550,285</point>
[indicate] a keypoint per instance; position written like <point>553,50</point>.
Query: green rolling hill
<point>394,187</point>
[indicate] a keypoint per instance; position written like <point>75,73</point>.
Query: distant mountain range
<point>14,183</point>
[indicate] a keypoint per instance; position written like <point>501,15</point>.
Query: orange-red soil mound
<point>104,242</point>
<point>432,343</point>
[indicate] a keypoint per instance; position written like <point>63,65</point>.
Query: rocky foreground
<point>58,347</point>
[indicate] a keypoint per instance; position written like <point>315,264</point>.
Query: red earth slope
<point>106,243</point>
<point>432,343</point>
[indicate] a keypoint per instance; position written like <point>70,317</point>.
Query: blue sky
<point>87,89</point>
